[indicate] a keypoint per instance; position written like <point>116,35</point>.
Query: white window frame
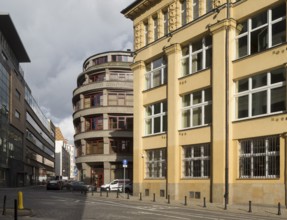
<point>202,50</point>
<point>161,162</point>
<point>267,154</point>
<point>249,31</point>
<point>252,91</point>
<point>192,158</point>
<point>190,108</point>
<point>151,118</point>
<point>149,76</point>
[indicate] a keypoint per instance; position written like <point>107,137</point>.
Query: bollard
<point>279,208</point>
<point>185,200</point>
<point>101,193</point>
<point>4,206</point>
<point>15,210</point>
<point>128,196</point>
<point>140,196</point>
<point>107,193</point>
<point>204,202</point>
<point>225,204</point>
<point>250,208</point>
<point>154,197</point>
<point>92,192</point>
<point>117,194</point>
<point>168,199</point>
<point>20,200</point>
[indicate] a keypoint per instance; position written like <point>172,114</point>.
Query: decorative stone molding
<point>138,65</point>
<point>222,25</point>
<point>173,48</point>
<point>173,16</point>
<point>138,36</point>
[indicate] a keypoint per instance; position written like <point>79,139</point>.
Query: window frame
<point>251,91</point>
<point>202,106</point>
<point>149,75</point>
<point>153,163</point>
<point>252,155</point>
<point>249,30</point>
<point>203,51</point>
<point>204,149</point>
<point>162,115</point>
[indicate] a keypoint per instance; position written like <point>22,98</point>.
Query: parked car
<point>129,187</point>
<point>79,186</point>
<point>115,185</point>
<point>54,184</point>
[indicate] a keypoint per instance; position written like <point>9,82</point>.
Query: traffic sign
<point>125,163</point>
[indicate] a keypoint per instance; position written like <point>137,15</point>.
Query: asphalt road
<point>52,204</point>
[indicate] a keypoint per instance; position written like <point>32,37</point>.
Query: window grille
<point>196,161</point>
<point>260,158</point>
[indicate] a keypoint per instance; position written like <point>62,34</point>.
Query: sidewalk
<point>256,210</point>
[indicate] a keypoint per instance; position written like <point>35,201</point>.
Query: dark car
<point>79,186</point>
<point>129,188</point>
<point>54,184</point>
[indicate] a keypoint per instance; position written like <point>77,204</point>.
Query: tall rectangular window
<point>197,109</point>
<point>195,9</point>
<point>196,161</point>
<point>260,157</point>
<point>208,5</point>
<point>155,28</point>
<point>156,118</point>
<point>183,12</point>
<point>196,56</point>
<point>165,22</point>
<point>261,94</point>
<point>156,73</point>
<point>262,31</point>
<point>156,163</point>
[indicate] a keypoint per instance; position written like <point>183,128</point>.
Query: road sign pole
<point>124,189</point>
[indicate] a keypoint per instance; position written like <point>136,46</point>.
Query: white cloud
<point>58,37</point>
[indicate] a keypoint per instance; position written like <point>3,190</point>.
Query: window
<point>196,56</point>
<point>121,123</point>
<point>262,31</point>
<point>17,114</point>
<point>208,5</point>
<point>120,58</point>
<point>94,123</point>
<point>121,145</point>
<point>196,161</point>
<point>155,28</point>
<point>101,60</point>
<point>120,99</point>
<point>17,94</point>
<point>93,100</point>
<point>197,109</point>
<point>156,118</point>
<point>183,12</point>
<point>260,158</point>
<point>195,9</point>
<point>95,146</point>
<point>165,22</point>
<point>146,30</point>
<point>261,94</point>
<point>97,77</point>
<point>156,163</point>
<point>156,73</point>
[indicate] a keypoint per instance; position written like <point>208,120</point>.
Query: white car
<point>115,185</point>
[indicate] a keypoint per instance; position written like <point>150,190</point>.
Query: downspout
<point>226,195</point>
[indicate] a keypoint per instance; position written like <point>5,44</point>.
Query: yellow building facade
<point>210,99</point>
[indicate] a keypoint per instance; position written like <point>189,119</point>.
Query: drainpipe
<point>226,195</point>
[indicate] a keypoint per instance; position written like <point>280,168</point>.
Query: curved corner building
<point>103,118</point>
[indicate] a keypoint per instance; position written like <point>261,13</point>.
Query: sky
<point>59,35</point>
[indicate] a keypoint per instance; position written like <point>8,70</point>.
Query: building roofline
<point>107,52</point>
<point>125,10</point>
<point>11,35</point>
